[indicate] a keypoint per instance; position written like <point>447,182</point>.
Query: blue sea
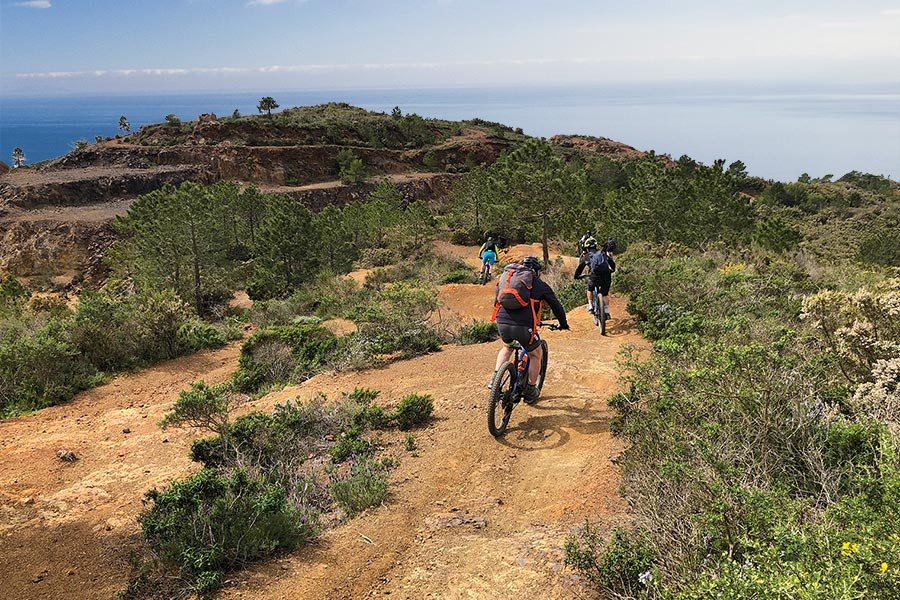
<point>778,131</point>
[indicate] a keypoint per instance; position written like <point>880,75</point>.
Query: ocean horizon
<point>778,131</point>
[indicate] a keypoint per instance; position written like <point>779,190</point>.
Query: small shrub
<point>478,332</point>
<point>414,409</point>
<point>361,486</point>
<point>349,444</point>
<point>410,443</point>
<point>284,354</point>
<point>208,524</point>
<point>621,567</point>
<point>458,276</point>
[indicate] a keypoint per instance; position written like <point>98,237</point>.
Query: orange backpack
<point>514,287</point>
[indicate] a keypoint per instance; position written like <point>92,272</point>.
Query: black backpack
<point>599,263</point>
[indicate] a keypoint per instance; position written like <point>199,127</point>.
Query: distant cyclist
<point>601,264</point>
<point>488,256</point>
<point>582,243</point>
<point>521,324</point>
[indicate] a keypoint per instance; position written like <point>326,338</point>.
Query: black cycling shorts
<point>602,281</point>
<point>510,334</point>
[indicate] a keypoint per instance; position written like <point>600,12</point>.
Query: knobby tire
<point>500,401</point>
<point>602,317</point>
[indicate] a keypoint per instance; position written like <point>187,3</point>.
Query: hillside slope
<point>468,516</point>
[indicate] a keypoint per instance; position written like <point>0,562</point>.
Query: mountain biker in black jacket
<point>601,279</point>
<point>521,325</point>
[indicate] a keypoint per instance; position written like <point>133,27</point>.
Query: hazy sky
<point>84,46</point>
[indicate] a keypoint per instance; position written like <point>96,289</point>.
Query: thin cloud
<point>264,2</point>
<point>35,4</point>
<point>309,68</point>
<point>891,12</point>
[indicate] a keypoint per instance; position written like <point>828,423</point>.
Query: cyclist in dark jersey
<point>600,278</point>
<point>521,325</point>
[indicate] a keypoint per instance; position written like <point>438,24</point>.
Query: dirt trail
<point>469,516</point>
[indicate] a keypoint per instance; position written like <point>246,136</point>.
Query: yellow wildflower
<point>884,567</point>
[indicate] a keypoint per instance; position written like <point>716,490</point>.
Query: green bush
<point>414,409</point>
<point>478,332</point>
<point>751,459</point>
<point>464,275</point>
<point>364,484</point>
<point>284,354</point>
<point>41,369</point>
<point>621,567</point>
<point>208,524</point>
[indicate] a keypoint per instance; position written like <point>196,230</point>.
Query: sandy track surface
<point>469,516</point>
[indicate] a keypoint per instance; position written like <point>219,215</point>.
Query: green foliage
<point>661,204</point>
<point>776,234</point>
<point>534,188</point>
<point>209,524</point>
<point>362,485</point>
<point>258,493</point>
<point>13,296</point>
<point>868,181</point>
<point>620,567</point>
<point>351,169</point>
<point>414,409</point>
<point>268,104</point>
<point>881,247</point>
<point>281,354</point>
<point>18,157</point>
<point>202,406</point>
<point>40,369</point>
<point>477,332</point>
<point>177,238</point>
<point>396,319</point>
<point>50,353</point>
<point>763,445</point>
<point>430,160</point>
<point>172,120</point>
<point>286,249</point>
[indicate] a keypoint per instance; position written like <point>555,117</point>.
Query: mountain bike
<point>508,386</point>
<point>598,313</point>
<point>485,275</point>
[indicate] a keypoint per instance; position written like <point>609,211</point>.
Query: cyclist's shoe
<point>531,394</point>
<point>606,311</point>
<point>588,308</point>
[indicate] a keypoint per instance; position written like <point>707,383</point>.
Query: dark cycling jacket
<point>586,260</point>
<point>492,247</point>
<point>525,316</point>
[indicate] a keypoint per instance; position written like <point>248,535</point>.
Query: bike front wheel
<point>545,355</point>
<point>500,401</point>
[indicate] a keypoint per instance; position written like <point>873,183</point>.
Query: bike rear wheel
<point>594,309</point>
<point>500,401</point>
<point>601,316</point>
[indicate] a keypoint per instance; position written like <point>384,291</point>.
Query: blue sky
<point>87,46</point>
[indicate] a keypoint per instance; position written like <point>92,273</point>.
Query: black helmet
<point>590,244</point>
<point>490,240</point>
<point>609,245</point>
<point>532,263</point>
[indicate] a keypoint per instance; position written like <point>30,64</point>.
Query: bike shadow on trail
<point>547,424</point>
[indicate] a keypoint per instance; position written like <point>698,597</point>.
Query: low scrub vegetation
<point>269,483</point>
<point>49,352</point>
<point>763,455</point>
